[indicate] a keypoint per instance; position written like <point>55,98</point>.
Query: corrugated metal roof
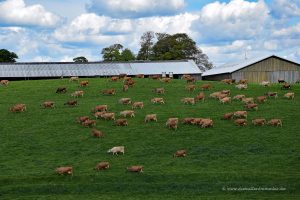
<point>232,67</point>
<point>97,68</point>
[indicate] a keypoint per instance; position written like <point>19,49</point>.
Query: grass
<point>35,142</point>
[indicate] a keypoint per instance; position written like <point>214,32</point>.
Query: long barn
<point>269,68</point>
<point>175,68</point>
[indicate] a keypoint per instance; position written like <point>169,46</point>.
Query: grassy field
<point>219,159</point>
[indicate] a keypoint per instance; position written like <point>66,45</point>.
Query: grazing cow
<point>228,81</point>
<point>241,122</point>
<point>71,103</point>
<point>126,113</point>
<point>150,117</point>
<point>227,116</point>
<point>122,75</point>
<point>61,90</point>
<point>242,86</point>
<point>74,78</point>
<point>129,82</point>
<point>100,108</point>
<point>205,86</point>
<point>275,122</point>
<point>48,104</point>
<point>18,108</point>
<point>140,76</point>
<point>155,77</point>
<point>125,88</point>
<point>239,97</point>
<point>89,123</point>
<point>190,88</point>
<point>114,78</point>
<point>240,114</point>
<point>84,83</point>
<point>172,123</point>
<point>138,105</point>
<point>125,101</point>
<point>261,99</point>
<point>200,97</point>
<point>96,133</point>
<point>259,122</point>
<point>138,169</point>
<point>4,82</point>
<point>108,116</point>
<point>99,114</point>
<point>188,101</point>
<point>166,80</point>
<point>109,91</point>
<point>289,95</point>
<point>281,81</point>
<point>248,100</point>
<point>117,150</point>
<point>159,90</point>
<point>215,95</point>
<point>225,92</point>
<point>158,100</point>
<point>190,80</point>
<point>205,123</point>
<point>188,120</point>
<point>82,119</point>
<point>265,83</point>
<point>121,122</point>
<point>243,81</point>
<point>251,106</point>
<point>77,93</point>
<point>221,96</point>
<point>64,170</point>
<point>186,76</point>
<point>180,153</point>
<point>225,100</point>
<point>197,121</point>
<point>272,94</point>
<point>102,166</point>
<point>286,86</point>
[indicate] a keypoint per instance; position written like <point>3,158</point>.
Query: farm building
<point>269,68</point>
<point>99,69</point>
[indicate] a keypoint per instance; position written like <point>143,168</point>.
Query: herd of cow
<point>223,96</point>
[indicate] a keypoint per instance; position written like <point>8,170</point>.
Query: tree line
<point>153,46</point>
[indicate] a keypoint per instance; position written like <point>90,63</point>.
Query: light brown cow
<point>150,117</point>
<point>102,166</point>
<point>197,121</point>
<point>138,169</point>
<point>205,123</point>
<point>109,91</point>
<point>100,108</point>
<point>200,96</point>
<point>261,99</point>
<point>185,76</point>
<point>228,81</point>
<point>259,122</point>
<point>275,122</point>
<point>225,92</point>
<point>64,170</point>
<point>188,120</point>
<point>227,116</point>
<point>190,80</point>
<point>96,133</point>
<point>243,81</point>
<point>188,101</point>
<point>158,100</point>
<point>140,76</point>
<point>125,88</point>
<point>71,103</point>
<point>74,78</point>
<point>166,80</point>
<point>18,108</point>
<point>241,86</point>
<point>251,106</point>
<point>172,123</point>
<point>155,77</point>
<point>82,119</point>
<point>89,123</point>
<point>248,100</point>
<point>125,101</point>
<point>4,82</point>
<point>272,94</point>
<point>108,116</point>
<point>77,93</point>
<point>190,87</point>
<point>117,150</point>
<point>127,79</point>
<point>129,82</point>
<point>240,114</point>
<point>225,100</point>
<point>215,95</point>
<point>114,78</point>
<point>265,83</point>
<point>289,95</point>
<point>240,122</point>
<point>180,153</point>
<point>205,86</point>
<point>48,104</point>
<point>121,122</point>
<point>127,113</point>
<point>99,114</point>
<point>84,83</point>
<point>221,96</point>
<point>138,105</point>
<point>239,97</point>
<point>159,90</point>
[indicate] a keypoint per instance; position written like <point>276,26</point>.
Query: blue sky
<point>56,30</point>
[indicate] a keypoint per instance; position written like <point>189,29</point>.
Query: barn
<point>33,70</point>
<point>268,68</point>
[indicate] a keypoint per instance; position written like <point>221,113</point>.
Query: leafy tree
<point>7,56</point>
<point>80,59</point>
<point>127,55</point>
<point>112,53</point>
<point>146,46</point>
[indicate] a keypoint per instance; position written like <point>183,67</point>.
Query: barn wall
<point>271,70</point>
<point>217,77</point>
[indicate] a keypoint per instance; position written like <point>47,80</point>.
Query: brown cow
<point>18,108</point>
<point>227,116</point>
<point>125,101</point>
<point>188,120</point>
<point>109,92</point>
<point>188,101</point>
<point>272,94</point>
<point>89,123</point>
<point>205,86</point>
<point>159,90</point>
<point>190,87</point>
<point>150,117</point>
<point>4,82</point>
<point>108,116</point>
<point>64,170</point>
<point>275,122</point>
<point>180,153</point>
<point>172,123</point>
<point>289,95</point>
<point>155,77</point>
<point>61,90</point>
<point>71,103</point>
<point>248,100</point>
<point>251,106</point>
<point>77,93</point>
<point>84,83</point>
<point>48,104</point>
<point>205,123</point>
<point>215,95</point>
<point>100,108</point>
<point>190,80</point>
<point>125,88</point>
<point>259,122</point>
<point>126,113</point>
<point>121,122</point>
<point>286,86</point>
<point>225,100</point>
<point>166,80</point>
<point>228,81</point>
<point>82,119</point>
<point>261,99</point>
<point>243,81</point>
<point>158,100</point>
<point>99,114</point>
<point>241,122</point>
<point>197,121</point>
<point>186,76</point>
<point>200,97</point>
<point>239,97</point>
<point>102,166</point>
<point>138,105</point>
<point>114,78</point>
<point>129,82</point>
<point>242,86</point>
<point>140,76</point>
<point>138,169</point>
<point>240,114</point>
<point>96,133</point>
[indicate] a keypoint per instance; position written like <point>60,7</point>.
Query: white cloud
<point>135,8</point>
<point>285,8</point>
<point>290,32</point>
<point>17,13</point>
<point>238,19</point>
<point>271,45</point>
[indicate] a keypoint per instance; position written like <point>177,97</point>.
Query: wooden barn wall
<point>271,70</point>
<point>217,77</point>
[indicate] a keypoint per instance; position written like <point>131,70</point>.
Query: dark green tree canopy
<point>127,55</point>
<point>80,59</point>
<point>7,56</point>
<point>146,43</point>
<point>112,53</point>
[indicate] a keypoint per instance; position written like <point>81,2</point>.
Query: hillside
<point>39,140</point>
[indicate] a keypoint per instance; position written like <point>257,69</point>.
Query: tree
<point>112,53</point>
<point>146,42</point>
<point>179,46</point>
<point>127,55</point>
<point>7,56</point>
<point>80,59</point>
